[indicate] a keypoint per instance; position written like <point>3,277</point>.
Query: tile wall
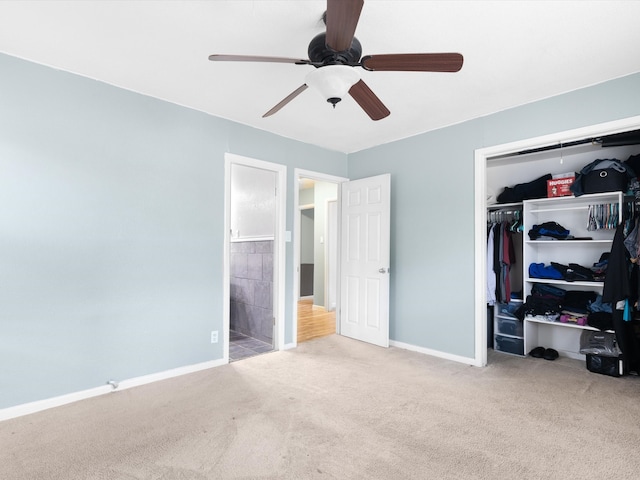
<point>251,280</point>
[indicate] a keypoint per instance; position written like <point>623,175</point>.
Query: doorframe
<point>299,173</point>
<point>279,247</point>
<point>328,232</point>
<point>481,157</point>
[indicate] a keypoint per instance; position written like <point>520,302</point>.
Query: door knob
<point>382,270</point>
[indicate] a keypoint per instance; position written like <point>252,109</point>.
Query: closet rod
<point>615,140</point>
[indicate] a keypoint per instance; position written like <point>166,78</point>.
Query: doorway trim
<point>279,247</point>
<point>332,247</point>
<point>481,157</point>
<point>299,173</point>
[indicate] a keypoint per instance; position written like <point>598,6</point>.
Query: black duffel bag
<point>610,179</point>
<point>603,175</point>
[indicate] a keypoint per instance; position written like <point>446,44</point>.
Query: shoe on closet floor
<point>550,354</point>
<point>537,352</point>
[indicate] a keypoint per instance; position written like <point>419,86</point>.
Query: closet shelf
<point>564,282</point>
<point>559,209</point>
<point>572,201</point>
<point>567,242</point>
<point>499,206</point>
<point>560,324</point>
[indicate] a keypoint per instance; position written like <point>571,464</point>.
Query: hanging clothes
<point>501,256</point>
<point>491,276</point>
<point>508,257</point>
<point>619,289</point>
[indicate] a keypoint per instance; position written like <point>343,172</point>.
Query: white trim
<point>299,173</point>
<point>40,405</point>
<point>480,290</point>
<point>480,181</point>
<point>175,372</point>
<point>226,267</point>
<point>313,175</point>
<point>327,269</point>
<point>289,346</point>
<point>434,353</point>
<point>253,239</point>
<point>279,246</point>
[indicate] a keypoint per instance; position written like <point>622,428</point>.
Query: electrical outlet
<point>214,336</point>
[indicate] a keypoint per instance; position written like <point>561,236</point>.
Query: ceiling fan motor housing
<point>319,52</point>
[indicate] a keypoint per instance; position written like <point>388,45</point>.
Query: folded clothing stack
<point>550,230</point>
<point>544,301</point>
<point>550,303</point>
<point>572,272</point>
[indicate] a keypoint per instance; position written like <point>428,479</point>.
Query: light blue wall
<point>432,205</point>
<point>111,207</point>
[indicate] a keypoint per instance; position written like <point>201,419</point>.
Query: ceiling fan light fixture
<point>332,81</point>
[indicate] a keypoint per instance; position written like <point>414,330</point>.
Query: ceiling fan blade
<point>414,62</point>
<point>286,100</point>
<point>256,58</point>
<point>368,100</point>
<point>342,19</point>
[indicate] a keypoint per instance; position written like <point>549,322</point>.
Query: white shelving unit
<point>571,213</point>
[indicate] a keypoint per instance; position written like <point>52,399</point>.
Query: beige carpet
<point>335,408</point>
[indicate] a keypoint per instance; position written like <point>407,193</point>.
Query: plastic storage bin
<point>510,326</point>
<point>510,345</point>
<point>509,308</point>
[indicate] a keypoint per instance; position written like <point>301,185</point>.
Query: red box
<point>559,187</point>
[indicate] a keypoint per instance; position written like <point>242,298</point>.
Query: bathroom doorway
<point>252,258</point>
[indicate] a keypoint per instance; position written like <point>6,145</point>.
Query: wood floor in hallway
<point>314,321</point>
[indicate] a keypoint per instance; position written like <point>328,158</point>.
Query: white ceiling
<point>515,53</point>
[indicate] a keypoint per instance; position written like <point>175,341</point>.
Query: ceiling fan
<point>334,55</point>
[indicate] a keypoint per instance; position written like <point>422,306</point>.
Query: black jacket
<point>617,287</point>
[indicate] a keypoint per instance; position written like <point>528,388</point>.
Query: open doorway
<point>253,257</point>
<point>316,255</point>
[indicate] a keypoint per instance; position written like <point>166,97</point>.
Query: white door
<point>364,285</point>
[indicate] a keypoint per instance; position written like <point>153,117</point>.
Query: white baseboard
<point>40,405</point>
<point>434,353</point>
<point>176,372</point>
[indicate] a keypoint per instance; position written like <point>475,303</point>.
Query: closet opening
<point>523,162</point>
